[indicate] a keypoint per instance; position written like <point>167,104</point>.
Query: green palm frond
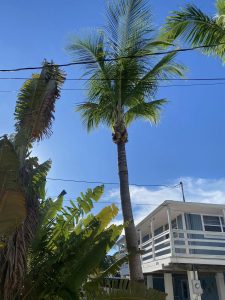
<point>220,5</point>
<point>93,114</point>
<point>196,28</point>
<point>36,104</point>
<point>127,76</point>
<point>90,49</point>
<point>146,110</point>
<point>128,23</point>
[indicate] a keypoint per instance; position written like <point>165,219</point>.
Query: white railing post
<point>224,214</point>
<point>140,239</point>
<point>153,241</point>
<point>185,233</point>
<point>170,229</point>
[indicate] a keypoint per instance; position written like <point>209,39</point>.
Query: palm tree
<point>22,177</point>
<point>123,82</point>
<point>198,29</point>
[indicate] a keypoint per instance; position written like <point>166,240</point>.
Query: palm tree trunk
<point>136,273</point>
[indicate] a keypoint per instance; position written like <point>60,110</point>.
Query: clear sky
<point>188,143</point>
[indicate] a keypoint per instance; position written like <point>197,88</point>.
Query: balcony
<point>191,234</point>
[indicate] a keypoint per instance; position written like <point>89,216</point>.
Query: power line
<point>160,86</point>
<point>102,79</point>
<point>111,183</point>
<point>113,59</point>
<point>117,203</point>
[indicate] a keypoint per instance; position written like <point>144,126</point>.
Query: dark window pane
<point>174,224</point>
<point>179,222</point>
<point>145,238</point>
<point>211,220</point>
<point>213,228</point>
<point>193,221</point>
<point>158,230</point>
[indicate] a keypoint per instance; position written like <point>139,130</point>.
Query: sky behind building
<point>188,143</point>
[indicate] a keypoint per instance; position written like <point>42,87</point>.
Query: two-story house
<point>183,250</point>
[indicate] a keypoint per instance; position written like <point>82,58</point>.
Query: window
<point>145,238</point>
<point>213,223</point>
<point>158,231</point>
<point>174,224</point>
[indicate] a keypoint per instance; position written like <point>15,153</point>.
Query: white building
<point>184,250</point>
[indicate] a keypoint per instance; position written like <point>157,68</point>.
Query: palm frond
<point>89,49</point>
<point>145,110</point>
<point>35,106</point>
<point>93,114</point>
<point>128,24</point>
<point>115,86</point>
<point>220,5</point>
<point>196,28</point>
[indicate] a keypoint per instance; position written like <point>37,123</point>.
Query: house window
<point>213,223</point>
<point>145,238</point>
<point>158,231</point>
<point>174,224</point>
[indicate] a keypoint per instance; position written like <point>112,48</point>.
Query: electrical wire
<point>113,59</point>
<point>160,86</point>
<point>112,183</point>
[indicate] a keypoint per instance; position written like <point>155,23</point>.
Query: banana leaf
<point>12,198</point>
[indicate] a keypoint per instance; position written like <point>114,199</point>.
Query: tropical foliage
<point>123,80</point>
<point>137,291</point>
<point>22,177</point>
<point>69,245</point>
<point>198,29</point>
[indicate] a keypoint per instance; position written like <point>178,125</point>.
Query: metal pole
<point>182,190</point>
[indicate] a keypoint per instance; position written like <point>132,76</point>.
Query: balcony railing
<point>184,243</point>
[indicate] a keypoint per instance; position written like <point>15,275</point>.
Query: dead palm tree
<point>198,29</point>
<point>23,177</point>
<point>123,82</point>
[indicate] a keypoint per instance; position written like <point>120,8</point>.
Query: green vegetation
<point>198,29</point>
<point>22,177</point>
<point>122,88</point>
<point>69,245</point>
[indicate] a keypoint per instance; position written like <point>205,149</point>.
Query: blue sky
<point>188,143</point>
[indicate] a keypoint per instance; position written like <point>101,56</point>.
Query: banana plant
<point>21,176</point>
<point>69,245</point>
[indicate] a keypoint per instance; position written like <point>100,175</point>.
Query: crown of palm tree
<point>124,79</point>
<point>197,28</point>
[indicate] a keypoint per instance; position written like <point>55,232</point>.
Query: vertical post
<point>182,190</point>
<point>168,282</point>
<point>153,240</point>
<point>170,230</point>
<point>149,282</point>
<point>140,245</point>
<point>140,238</point>
<point>185,233</point>
<point>224,214</point>
<point>220,285</point>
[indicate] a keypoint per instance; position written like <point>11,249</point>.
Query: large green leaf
<point>12,198</point>
<point>35,106</point>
